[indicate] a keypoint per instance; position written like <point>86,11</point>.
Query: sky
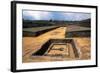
<point>51,15</point>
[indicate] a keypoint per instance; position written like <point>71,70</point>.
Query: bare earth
<point>32,44</point>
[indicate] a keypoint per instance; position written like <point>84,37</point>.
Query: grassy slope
<point>36,29</point>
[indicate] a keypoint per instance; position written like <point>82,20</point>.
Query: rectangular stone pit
<point>49,47</point>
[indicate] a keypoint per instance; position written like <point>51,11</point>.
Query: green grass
<point>36,29</point>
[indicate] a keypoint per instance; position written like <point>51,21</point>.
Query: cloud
<point>47,15</point>
<point>36,15</point>
<point>76,16</point>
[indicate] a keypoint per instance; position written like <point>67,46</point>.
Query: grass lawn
<point>36,29</point>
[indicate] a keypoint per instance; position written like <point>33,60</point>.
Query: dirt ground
<point>32,44</point>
